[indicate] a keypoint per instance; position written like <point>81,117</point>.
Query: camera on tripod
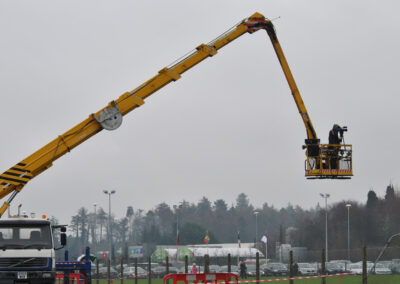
<point>341,130</point>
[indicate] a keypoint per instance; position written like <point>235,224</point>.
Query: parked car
<point>234,269</point>
<point>103,273</point>
<point>93,270</point>
<point>159,271</point>
<point>386,263</point>
<point>307,268</point>
<point>182,269</point>
<point>381,269</point>
<point>344,264</point>
<point>130,272</point>
<point>355,268</point>
<point>333,268</point>
<point>275,269</point>
<point>395,266</point>
<point>251,270</point>
<point>214,268</point>
<point>173,270</point>
<point>340,261</point>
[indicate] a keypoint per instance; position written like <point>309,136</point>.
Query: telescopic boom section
<point>311,135</point>
<point>110,117</point>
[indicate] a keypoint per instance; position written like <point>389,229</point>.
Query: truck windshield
<point>25,236</point>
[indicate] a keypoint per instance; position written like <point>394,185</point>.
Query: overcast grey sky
<point>227,126</point>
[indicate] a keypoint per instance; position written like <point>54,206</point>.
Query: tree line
<point>372,223</point>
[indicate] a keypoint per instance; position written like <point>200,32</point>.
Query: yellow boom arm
<point>110,117</point>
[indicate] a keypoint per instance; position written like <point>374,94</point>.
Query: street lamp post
<point>94,229</point>
<point>109,218</point>
<point>177,226</point>
<point>326,196</point>
<point>256,214</point>
<point>348,230</point>
<point>177,208</point>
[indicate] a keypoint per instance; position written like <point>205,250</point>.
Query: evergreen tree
<point>220,205</point>
<point>372,200</point>
<point>243,203</point>
<point>102,220</point>
<point>193,233</point>
<point>130,215</point>
<point>129,212</point>
<point>390,195</point>
<point>204,205</point>
<point>83,220</point>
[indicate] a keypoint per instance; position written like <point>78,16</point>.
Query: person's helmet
<point>194,263</point>
<point>336,127</point>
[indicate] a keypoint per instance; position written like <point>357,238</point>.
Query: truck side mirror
<point>63,239</point>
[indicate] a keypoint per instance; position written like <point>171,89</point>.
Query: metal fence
<point>141,271</point>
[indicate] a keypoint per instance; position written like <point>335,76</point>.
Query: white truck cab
<point>27,252</point>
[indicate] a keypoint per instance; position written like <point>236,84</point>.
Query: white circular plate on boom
<point>110,118</point>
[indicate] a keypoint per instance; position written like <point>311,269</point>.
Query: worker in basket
<point>334,139</point>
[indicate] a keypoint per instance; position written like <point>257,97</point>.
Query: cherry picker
<point>319,157</point>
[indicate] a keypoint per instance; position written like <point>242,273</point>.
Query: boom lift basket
<point>331,162</point>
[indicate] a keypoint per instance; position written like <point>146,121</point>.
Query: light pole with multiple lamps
<point>348,230</point>
<point>256,214</point>
<point>109,218</point>
<point>326,196</point>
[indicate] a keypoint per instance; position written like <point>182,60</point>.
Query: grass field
<point>374,279</point>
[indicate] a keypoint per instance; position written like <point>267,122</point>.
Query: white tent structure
<point>246,250</point>
<point>223,252</point>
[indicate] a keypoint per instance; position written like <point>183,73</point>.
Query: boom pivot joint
<point>109,118</point>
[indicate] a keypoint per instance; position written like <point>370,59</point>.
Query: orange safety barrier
<point>72,277</point>
<point>59,277</point>
<point>201,277</point>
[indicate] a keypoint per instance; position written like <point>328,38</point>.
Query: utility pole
<point>177,209</point>
<point>348,231</point>
<point>94,229</point>
<point>326,196</point>
<point>109,219</point>
<point>256,238</point>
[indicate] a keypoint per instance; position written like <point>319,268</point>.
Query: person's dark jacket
<point>334,137</point>
<point>295,268</point>
<point>243,270</point>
